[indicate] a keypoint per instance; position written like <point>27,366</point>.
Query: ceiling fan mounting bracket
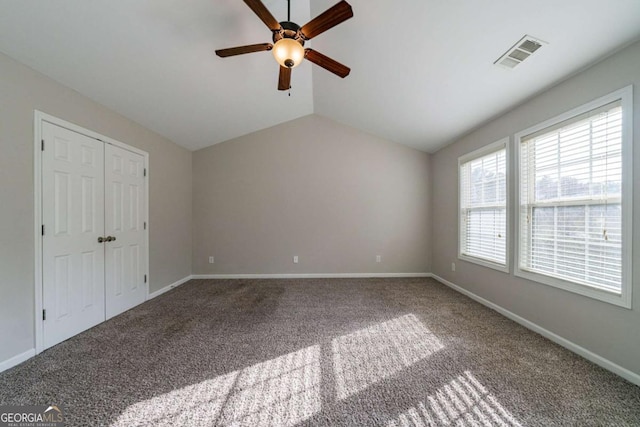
<point>289,30</point>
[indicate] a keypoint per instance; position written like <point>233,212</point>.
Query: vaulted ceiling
<point>422,70</point>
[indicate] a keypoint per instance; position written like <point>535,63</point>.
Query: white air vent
<point>519,52</point>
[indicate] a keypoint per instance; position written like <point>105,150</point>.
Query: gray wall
<point>332,195</point>
<point>602,328</point>
<point>21,91</point>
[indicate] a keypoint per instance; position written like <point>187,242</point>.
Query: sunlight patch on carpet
<point>369,355</point>
<point>462,402</point>
<point>282,391</point>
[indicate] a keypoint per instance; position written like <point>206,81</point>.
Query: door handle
<point>110,239</point>
<point>101,239</point>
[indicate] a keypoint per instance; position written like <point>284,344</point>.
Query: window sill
<point>621,299</point>
<point>485,263</point>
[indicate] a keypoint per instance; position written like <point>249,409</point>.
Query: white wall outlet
<point>211,260</point>
<point>378,258</point>
<point>453,266</point>
<point>295,259</point>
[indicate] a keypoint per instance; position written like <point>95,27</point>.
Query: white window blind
<point>571,199</point>
<point>483,206</point>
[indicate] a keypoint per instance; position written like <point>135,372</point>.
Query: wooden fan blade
<point>326,20</point>
<point>284,80</point>
<point>327,63</point>
<point>263,13</point>
<point>241,50</point>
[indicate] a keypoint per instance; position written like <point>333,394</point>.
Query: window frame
<point>502,144</point>
<point>624,297</point>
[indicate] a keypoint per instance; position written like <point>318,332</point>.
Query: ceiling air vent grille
<point>519,52</point>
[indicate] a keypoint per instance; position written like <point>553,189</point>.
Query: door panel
<point>73,216</point>
<point>124,176</point>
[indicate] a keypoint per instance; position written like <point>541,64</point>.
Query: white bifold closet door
<point>73,216</point>
<point>124,222</point>
<point>94,245</point>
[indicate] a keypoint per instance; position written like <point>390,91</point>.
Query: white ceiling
<point>422,70</point>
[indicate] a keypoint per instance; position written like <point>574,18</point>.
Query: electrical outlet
<point>295,259</point>
<point>453,266</point>
<point>211,260</point>
<point>378,258</point>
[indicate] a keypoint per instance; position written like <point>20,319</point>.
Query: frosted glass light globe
<point>288,52</point>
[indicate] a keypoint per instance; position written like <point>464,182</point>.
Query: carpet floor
<point>331,352</point>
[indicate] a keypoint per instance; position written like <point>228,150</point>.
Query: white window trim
<point>487,149</point>
<point>624,298</point>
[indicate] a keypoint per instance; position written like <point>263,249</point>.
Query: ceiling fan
<point>289,38</point>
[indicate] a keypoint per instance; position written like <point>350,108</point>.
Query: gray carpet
<point>390,352</point>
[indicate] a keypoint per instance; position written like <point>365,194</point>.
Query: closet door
<point>125,249</point>
<point>73,220</point>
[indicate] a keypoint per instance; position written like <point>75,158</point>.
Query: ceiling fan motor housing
<point>289,30</point>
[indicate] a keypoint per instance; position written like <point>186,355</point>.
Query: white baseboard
<point>168,287</point>
<point>307,275</point>
<point>589,355</point>
<point>16,360</point>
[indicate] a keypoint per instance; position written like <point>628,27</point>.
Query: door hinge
<point>42,145</point>
<point>145,278</point>
<point>145,171</point>
<point>44,314</point>
<point>43,229</point>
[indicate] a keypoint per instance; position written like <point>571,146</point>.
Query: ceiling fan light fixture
<point>289,39</point>
<point>288,52</point>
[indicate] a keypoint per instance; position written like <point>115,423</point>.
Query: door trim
<point>38,118</point>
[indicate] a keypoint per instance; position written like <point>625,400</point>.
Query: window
<point>574,219</point>
<point>483,206</point>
